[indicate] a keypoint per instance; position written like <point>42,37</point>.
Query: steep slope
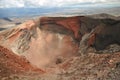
<point>40,47</point>
<point>12,64</point>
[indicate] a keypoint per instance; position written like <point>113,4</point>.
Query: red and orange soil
<point>13,64</point>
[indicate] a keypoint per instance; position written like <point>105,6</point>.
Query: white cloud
<point>47,3</point>
<point>11,3</point>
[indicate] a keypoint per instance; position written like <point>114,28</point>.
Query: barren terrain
<point>61,48</point>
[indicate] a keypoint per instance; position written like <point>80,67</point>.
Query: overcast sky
<point>53,3</point>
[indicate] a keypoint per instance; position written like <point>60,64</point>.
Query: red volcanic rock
<point>73,24</point>
<point>13,64</point>
<point>70,23</point>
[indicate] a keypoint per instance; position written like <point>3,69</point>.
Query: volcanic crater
<point>63,46</point>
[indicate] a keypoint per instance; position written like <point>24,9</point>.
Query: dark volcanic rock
<point>107,34</point>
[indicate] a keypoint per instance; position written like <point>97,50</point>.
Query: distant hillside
<point>104,16</point>
<point>7,19</point>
